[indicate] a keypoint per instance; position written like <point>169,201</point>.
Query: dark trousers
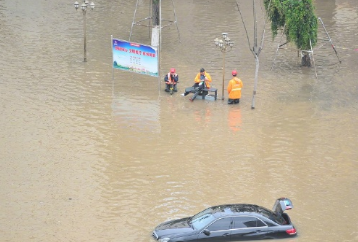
<point>191,89</point>
<point>233,101</point>
<point>167,87</point>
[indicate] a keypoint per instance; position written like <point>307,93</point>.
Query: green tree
<point>299,21</point>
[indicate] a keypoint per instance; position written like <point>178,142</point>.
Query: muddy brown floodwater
<point>85,157</point>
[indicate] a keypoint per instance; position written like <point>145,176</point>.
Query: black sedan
<point>230,222</point>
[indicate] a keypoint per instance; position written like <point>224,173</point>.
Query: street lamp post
<point>225,45</point>
<point>84,11</point>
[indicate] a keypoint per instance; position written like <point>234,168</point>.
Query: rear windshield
<point>273,216</point>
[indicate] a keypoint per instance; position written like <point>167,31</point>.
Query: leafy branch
<point>299,20</point>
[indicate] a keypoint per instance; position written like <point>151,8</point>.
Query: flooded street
<point>88,157</point>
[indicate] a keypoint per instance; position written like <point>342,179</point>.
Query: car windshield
<point>202,219</point>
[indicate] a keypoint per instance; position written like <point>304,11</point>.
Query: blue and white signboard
<point>134,57</point>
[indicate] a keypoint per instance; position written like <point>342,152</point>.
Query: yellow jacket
<point>207,79</point>
<point>234,88</point>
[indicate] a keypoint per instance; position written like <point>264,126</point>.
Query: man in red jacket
<point>234,88</point>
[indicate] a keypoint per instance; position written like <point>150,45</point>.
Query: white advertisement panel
<point>134,57</point>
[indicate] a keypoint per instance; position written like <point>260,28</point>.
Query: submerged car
<point>230,222</point>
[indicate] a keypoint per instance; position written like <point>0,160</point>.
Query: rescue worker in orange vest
<point>171,77</point>
<point>234,88</point>
<point>200,77</point>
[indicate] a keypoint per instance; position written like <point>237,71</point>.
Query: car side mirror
<point>206,232</point>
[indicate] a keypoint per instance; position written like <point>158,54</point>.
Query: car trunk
<point>281,205</point>
<point>287,218</point>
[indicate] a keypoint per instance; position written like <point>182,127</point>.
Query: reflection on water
<point>88,157</point>
<point>234,119</point>
<point>202,117</point>
<point>140,115</point>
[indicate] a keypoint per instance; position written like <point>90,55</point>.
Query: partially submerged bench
<point>204,92</point>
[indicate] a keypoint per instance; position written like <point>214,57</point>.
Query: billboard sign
<point>134,57</point>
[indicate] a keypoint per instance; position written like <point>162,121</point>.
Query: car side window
<point>259,223</point>
<point>247,222</point>
<point>220,224</point>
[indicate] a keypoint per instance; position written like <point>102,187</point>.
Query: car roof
<point>246,209</point>
<point>237,209</point>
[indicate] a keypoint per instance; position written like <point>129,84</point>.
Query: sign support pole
<point>112,57</point>
<point>160,41</point>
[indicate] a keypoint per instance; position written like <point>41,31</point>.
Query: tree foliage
<point>299,20</point>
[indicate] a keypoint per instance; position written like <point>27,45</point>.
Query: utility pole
<point>256,52</point>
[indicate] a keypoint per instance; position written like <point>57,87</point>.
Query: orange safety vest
<point>207,75</point>
<point>170,80</point>
<point>234,88</point>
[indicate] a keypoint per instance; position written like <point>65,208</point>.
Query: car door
<point>219,230</point>
<point>247,228</point>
